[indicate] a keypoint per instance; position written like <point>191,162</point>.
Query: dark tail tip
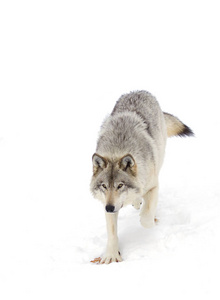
<point>186,132</point>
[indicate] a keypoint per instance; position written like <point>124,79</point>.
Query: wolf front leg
<point>148,210</point>
<point>112,254</point>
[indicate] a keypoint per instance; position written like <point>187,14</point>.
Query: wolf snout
<point>110,208</point>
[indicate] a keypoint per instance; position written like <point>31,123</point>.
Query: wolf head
<point>114,181</point>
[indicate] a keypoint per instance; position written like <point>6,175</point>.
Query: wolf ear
<point>127,163</point>
<point>99,163</point>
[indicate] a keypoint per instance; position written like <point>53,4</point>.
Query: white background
<point>63,64</point>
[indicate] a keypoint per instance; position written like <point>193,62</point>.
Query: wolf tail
<point>175,127</point>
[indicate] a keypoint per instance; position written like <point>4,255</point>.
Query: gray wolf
<point>129,155</point>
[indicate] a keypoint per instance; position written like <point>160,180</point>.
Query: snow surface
<point>63,66</point>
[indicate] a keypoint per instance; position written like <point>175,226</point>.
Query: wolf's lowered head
<point>114,181</point>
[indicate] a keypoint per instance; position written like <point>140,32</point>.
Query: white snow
<point>63,66</point>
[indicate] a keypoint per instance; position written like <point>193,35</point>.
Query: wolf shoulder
<point>145,105</point>
<point>141,102</point>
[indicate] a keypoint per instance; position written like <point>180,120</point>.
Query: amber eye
<point>120,185</point>
<point>104,186</point>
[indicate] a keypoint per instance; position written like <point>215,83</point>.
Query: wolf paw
<point>111,257</point>
<point>148,222</point>
<point>137,203</point>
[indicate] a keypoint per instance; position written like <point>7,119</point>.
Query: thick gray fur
<point>129,155</point>
<point>135,126</point>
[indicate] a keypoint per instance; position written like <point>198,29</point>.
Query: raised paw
<point>148,221</point>
<point>137,203</point>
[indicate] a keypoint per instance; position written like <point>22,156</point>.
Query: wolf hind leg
<point>136,203</point>
<point>148,211</point>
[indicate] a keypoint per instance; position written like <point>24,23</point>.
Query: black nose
<point>109,208</point>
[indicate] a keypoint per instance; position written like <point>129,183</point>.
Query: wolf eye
<point>104,186</point>
<point>120,185</point>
